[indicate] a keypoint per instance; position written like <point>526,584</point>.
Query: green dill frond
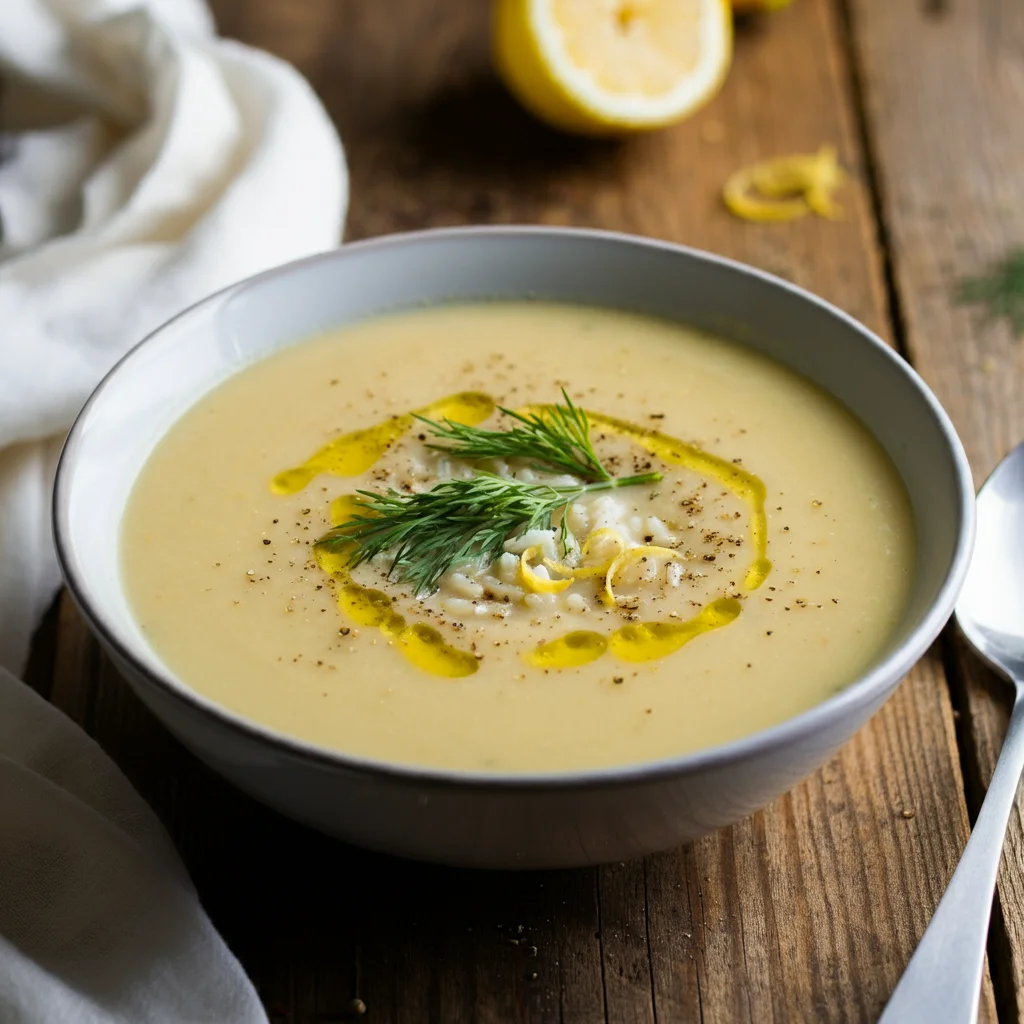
<point>1000,290</point>
<point>554,440</point>
<point>455,521</point>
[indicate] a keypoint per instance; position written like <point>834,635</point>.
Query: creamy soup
<point>721,546</point>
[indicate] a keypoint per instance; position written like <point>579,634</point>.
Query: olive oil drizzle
<point>648,641</point>
<point>748,488</point>
<point>354,453</point>
<point>637,641</point>
<point>421,644</point>
<point>579,647</point>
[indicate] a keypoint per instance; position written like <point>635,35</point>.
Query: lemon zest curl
<point>538,584</point>
<point>787,187</point>
<point>582,571</point>
<point>636,554</point>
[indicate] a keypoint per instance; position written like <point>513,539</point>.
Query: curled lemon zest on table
<point>787,187</point>
<point>632,555</point>
<point>538,584</point>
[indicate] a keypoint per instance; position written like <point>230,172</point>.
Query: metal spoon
<point>942,982</point>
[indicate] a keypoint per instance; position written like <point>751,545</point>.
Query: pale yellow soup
<point>770,564</point>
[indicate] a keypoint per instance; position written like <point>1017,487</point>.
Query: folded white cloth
<point>180,163</point>
<point>144,163</point>
<point>98,920</point>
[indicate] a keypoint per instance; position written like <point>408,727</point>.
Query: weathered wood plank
<point>945,101</point>
<point>625,943</point>
<point>806,911</point>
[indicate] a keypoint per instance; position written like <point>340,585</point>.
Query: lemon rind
<point>532,61</point>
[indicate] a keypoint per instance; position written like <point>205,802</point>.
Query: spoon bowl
<point>990,610</point>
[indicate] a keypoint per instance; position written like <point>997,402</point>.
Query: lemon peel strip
<point>737,195</point>
<point>633,555</point>
<point>537,584</point>
<point>583,571</point>
<point>787,187</point>
<point>604,533</point>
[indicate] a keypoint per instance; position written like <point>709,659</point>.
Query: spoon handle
<point>942,982</point>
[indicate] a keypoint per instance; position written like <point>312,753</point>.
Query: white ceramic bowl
<point>547,820</point>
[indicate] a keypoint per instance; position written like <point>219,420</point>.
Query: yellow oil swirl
<point>368,607</point>
<point>332,562</point>
<point>335,559</point>
<point>345,507</point>
<point>579,647</point>
<point>352,454</point>
<point>421,644</point>
<point>747,487</point>
<point>425,647</point>
<point>646,641</point>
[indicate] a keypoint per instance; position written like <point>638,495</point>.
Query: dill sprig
<point>556,439</point>
<point>455,521</point>
<point>1000,290</point>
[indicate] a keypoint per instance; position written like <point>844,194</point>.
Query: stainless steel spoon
<point>942,982</point>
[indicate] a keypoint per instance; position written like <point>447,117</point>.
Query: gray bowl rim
<point>856,695</point>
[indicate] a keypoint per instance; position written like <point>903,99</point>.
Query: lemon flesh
<point>608,67</point>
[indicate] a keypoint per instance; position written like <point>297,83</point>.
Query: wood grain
<point>806,911</point>
<point>945,102</point>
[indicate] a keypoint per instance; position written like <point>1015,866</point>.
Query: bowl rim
<point>871,687</point>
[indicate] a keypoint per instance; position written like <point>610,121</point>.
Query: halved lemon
<point>608,67</point>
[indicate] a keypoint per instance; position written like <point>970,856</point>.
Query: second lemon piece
<point>608,67</point>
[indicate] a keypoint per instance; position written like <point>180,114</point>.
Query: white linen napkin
<point>144,163</point>
<point>181,163</point>
<point>98,920</point>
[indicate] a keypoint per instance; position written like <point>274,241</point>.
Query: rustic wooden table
<point>809,910</point>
